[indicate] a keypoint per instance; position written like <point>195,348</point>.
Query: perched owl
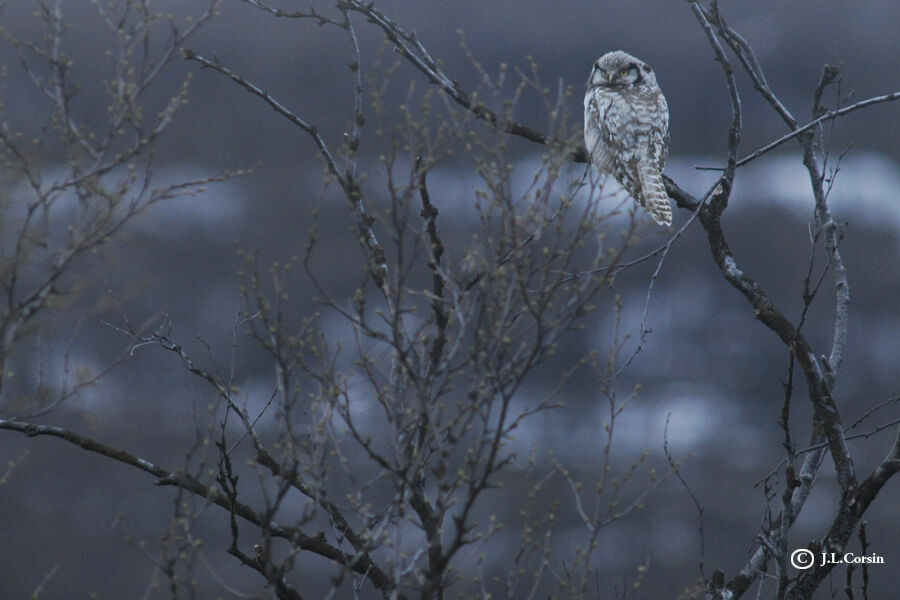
<point>626,129</point>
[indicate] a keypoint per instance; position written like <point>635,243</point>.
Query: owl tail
<point>653,195</point>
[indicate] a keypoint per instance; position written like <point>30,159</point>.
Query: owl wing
<point>659,135</point>
<point>600,141</point>
<point>606,138</point>
<point>653,191</point>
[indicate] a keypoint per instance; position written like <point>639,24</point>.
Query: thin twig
<point>676,468</point>
<point>276,105</point>
<point>664,249</point>
<point>832,114</point>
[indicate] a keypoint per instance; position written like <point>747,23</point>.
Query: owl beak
<point>609,75</point>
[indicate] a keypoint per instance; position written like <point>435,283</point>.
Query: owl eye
<point>624,72</point>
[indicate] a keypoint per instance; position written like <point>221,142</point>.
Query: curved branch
<point>164,477</point>
<point>830,115</point>
<point>416,54</point>
<point>734,131</point>
<point>348,181</point>
<point>851,511</point>
<point>276,106</point>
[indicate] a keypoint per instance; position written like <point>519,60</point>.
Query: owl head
<point>620,70</point>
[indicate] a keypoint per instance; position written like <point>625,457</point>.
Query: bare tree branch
<point>165,477</point>
<point>829,116</point>
<point>275,105</point>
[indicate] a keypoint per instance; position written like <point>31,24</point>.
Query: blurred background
<point>708,368</point>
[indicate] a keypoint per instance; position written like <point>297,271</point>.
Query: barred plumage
<point>626,129</point>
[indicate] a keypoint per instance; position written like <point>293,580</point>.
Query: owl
<point>626,129</point>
